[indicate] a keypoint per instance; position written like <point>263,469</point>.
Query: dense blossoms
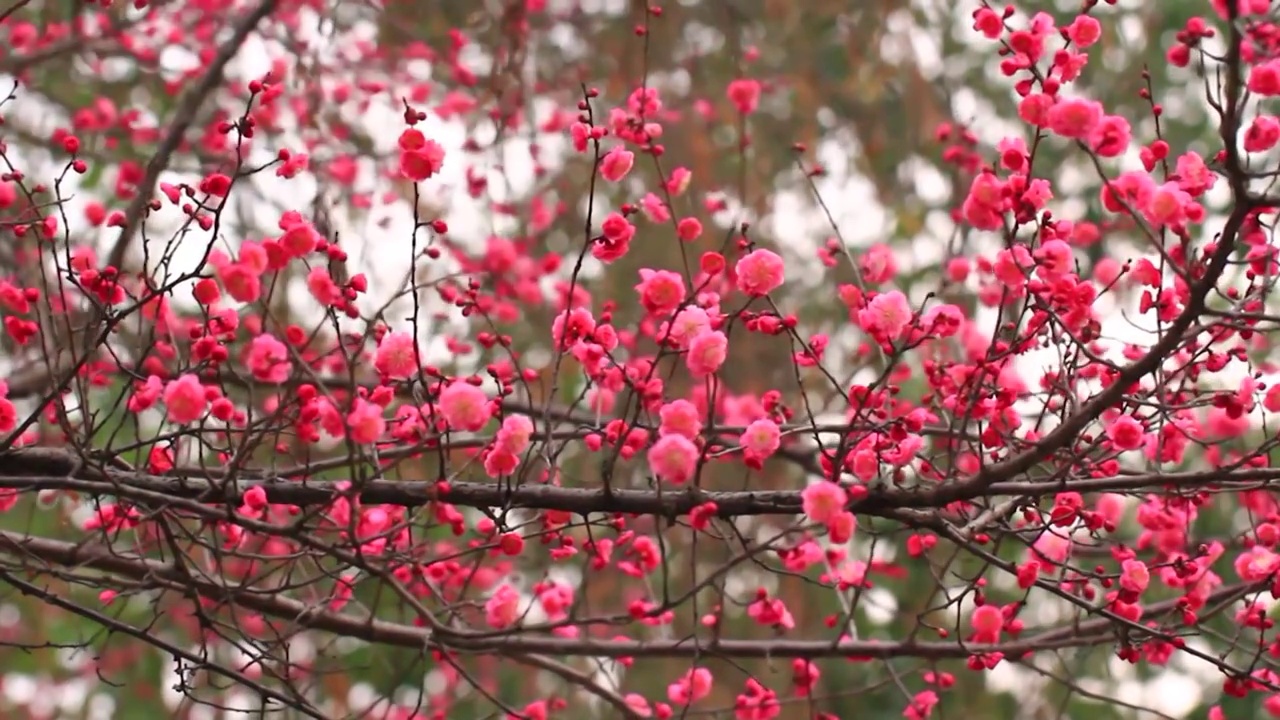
<point>645,382</point>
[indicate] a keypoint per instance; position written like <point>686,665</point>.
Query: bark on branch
<point>36,469</point>
<point>166,576</point>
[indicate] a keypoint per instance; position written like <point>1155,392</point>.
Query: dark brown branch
<point>36,469</point>
<point>165,575</point>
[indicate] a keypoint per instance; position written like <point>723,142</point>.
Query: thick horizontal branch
<point>26,549</point>
<point>36,469</point>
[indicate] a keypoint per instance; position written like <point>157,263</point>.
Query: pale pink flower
<point>1134,576</point>
<point>851,574</point>
<point>1052,546</point>
<point>366,422</point>
<point>904,451</point>
<point>515,433</point>
<point>616,164</point>
<point>680,417</point>
<point>673,458</point>
<point>661,291</point>
<point>572,326</point>
<point>601,400</point>
<point>268,359</point>
<point>692,687</point>
<point>942,320</point>
<point>760,272</point>
<point>499,461</point>
<point>707,352</point>
<point>397,356</point>
<point>1167,204</point>
<point>822,501</point>
<point>866,464</point>
<point>655,209</point>
<point>887,315</point>
<point>1111,507</point>
<point>877,264</point>
<point>330,418</point>
<point>638,705</point>
<point>687,324</point>
<point>678,181</point>
<point>502,609</point>
<point>464,406</point>
<point>1011,265</point>
<point>1074,117</point>
<point>1194,174</point>
<point>185,399</point>
<point>770,612</point>
<point>761,439</point>
<point>1055,258</point>
<point>1256,563</point>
